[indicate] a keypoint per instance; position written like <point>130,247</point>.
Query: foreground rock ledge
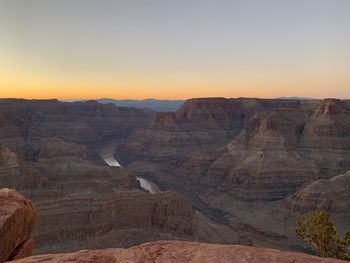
<point>17,218</point>
<point>179,251</point>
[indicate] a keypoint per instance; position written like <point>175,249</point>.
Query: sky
<point>174,49</point>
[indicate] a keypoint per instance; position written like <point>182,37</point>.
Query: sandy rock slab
<point>180,251</point>
<point>17,218</point>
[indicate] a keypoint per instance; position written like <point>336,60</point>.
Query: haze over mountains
<point>160,105</point>
<point>150,104</point>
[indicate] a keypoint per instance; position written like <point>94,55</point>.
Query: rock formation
<point>331,194</point>
<point>249,167</point>
<point>180,251</point>
<point>49,151</point>
<point>246,157</point>
<point>17,218</point>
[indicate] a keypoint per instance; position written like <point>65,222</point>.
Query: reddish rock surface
<point>25,250</point>
<point>180,251</point>
<point>17,218</point>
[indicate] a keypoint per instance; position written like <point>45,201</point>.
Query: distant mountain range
<point>151,104</point>
<point>161,105</point>
<point>296,98</point>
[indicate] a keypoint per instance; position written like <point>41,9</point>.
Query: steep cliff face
<point>17,218</point>
<point>111,220</point>
<point>275,154</point>
<point>254,149</point>
<point>244,155</point>
<point>180,251</point>
<point>199,124</point>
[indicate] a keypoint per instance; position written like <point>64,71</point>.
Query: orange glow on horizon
<point>168,50</point>
<point>19,82</point>
<point>167,88</point>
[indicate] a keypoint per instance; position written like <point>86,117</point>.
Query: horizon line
<point>159,99</point>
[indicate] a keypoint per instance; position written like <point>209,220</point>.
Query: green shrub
<point>320,235</point>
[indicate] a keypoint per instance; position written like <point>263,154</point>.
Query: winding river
<point>108,157</point>
<point>107,154</point>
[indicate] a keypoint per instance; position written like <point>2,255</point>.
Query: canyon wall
<point>251,158</point>
<point>17,218</point>
<point>111,220</point>
<point>248,167</point>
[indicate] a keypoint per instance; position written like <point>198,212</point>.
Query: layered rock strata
<point>247,156</point>
<point>49,151</point>
<point>331,194</point>
<point>111,220</point>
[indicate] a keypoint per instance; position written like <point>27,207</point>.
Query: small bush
<point>320,235</point>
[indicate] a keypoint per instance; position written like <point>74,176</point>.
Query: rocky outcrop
<point>179,251</point>
<point>17,218</point>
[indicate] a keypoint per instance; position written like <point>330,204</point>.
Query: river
<point>107,155</point>
<point>217,215</point>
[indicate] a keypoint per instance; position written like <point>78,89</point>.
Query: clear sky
<point>174,49</point>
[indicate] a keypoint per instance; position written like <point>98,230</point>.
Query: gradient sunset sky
<point>174,49</point>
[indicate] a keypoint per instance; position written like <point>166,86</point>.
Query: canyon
<point>51,152</point>
<point>231,171</point>
<point>261,162</point>
<point>17,217</point>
